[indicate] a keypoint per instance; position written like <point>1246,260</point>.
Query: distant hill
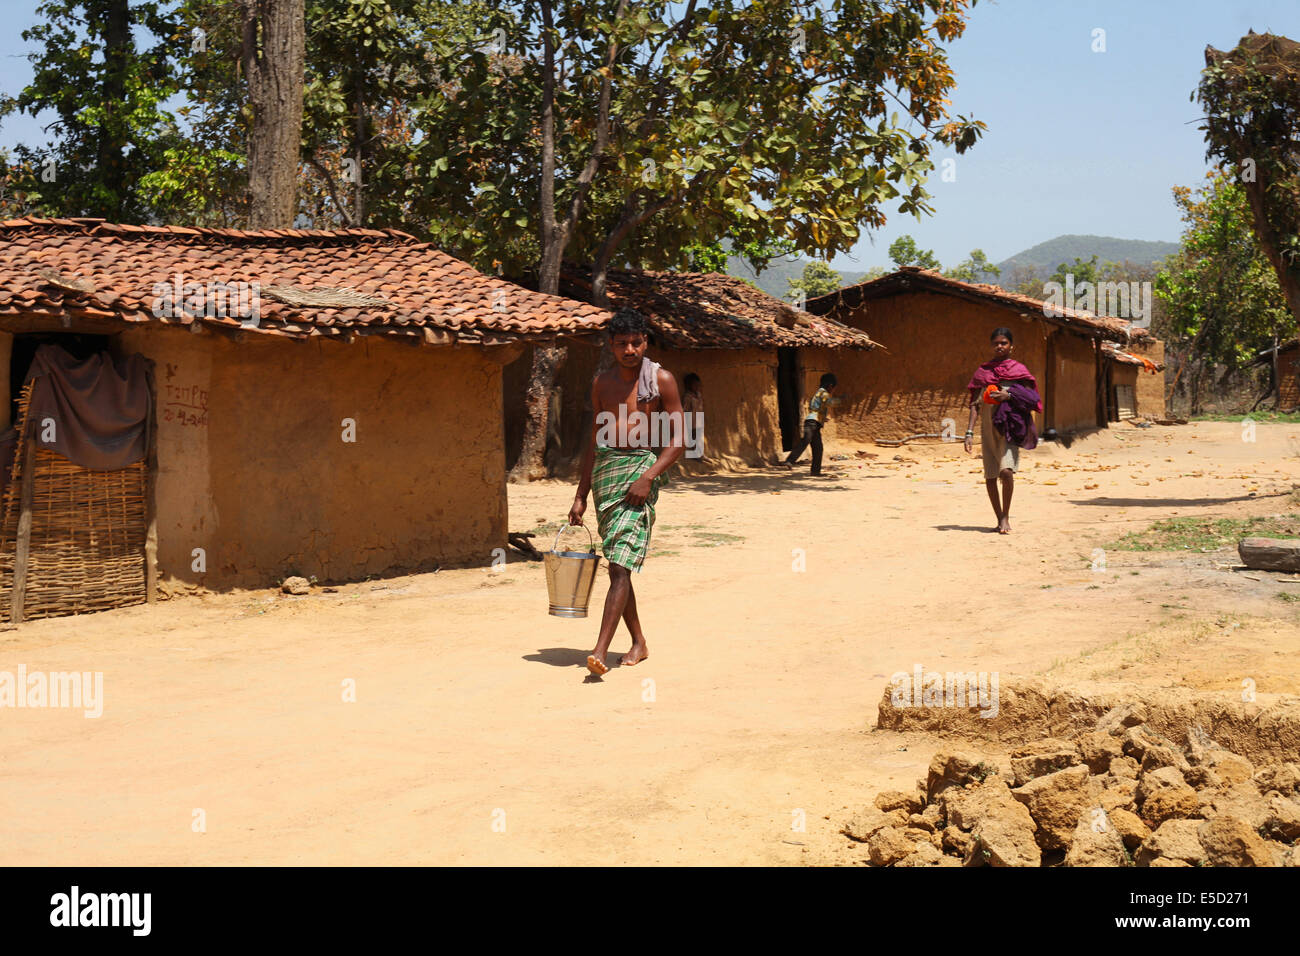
<point>1050,254</point>
<point>1046,256</point>
<point>775,279</point>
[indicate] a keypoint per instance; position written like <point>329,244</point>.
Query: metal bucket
<point>569,576</point>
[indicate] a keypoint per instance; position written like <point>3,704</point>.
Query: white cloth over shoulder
<point>647,385</point>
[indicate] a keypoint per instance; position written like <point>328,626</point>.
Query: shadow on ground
<point>760,483</point>
<point>1171,502</point>
<point>559,656</point>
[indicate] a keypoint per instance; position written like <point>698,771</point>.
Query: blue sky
<point>1078,141</point>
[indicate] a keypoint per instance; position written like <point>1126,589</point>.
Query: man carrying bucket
<point>632,401</point>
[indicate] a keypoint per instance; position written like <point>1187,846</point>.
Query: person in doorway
<point>693,414</point>
<point>818,406</point>
<point>620,466</point>
<point>693,397</point>
<point>1008,395</point>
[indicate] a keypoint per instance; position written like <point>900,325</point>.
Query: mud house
<point>937,330</point>
<point>759,359</point>
<point>1285,373</point>
<point>1135,385</point>
<point>222,408</point>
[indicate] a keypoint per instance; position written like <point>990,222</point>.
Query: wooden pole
<point>1100,408</point>
<point>23,550</point>
<point>151,509</point>
<point>1277,375</point>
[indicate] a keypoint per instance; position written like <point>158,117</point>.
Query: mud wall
<point>741,421</point>
<point>935,342</point>
<point>253,466</point>
<point>1070,402</point>
<point>740,404</point>
<point>1150,388</point>
<point>847,366</point>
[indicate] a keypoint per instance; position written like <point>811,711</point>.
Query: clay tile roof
<point>697,310</point>
<point>913,279</point>
<point>404,286</point>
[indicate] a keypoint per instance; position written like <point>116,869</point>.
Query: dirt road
<point>475,738</point>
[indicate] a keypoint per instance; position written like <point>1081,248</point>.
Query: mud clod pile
<point>1119,795</point>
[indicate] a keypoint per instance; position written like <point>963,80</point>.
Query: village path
<point>475,739</point>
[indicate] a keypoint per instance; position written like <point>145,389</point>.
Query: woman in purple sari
<point>1008,395</point>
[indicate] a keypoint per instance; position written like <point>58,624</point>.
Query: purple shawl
<point>1014,418</point>
<point>994,372</point>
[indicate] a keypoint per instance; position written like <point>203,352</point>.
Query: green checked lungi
<point>624,529</point>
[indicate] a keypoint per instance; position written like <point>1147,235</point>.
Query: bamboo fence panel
<point>88,529</point>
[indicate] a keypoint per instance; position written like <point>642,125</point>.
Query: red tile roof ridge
<point>1103,323</point>
<point>100,227</point>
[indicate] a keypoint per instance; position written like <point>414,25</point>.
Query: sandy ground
<point>475,737</point>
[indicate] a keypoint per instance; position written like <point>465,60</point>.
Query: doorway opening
<point>77,513</point>
<point>787,395</point>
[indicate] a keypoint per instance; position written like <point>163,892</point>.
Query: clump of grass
<point>1281,418</point>
<point>712,539</point>
<point>1289,596</point>
<point>1205,534</point>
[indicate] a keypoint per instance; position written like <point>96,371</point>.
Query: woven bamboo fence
<point>86,543</point>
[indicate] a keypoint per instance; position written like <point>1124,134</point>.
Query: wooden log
<point>22,552</point>
<point>1270,554</point>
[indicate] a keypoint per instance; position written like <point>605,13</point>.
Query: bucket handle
<point>591,542</point>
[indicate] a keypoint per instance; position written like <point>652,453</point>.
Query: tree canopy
<point>1251,97</point>
<point>1219,291</point>
<point>904,252</point>
<point>975,269</point>
<point>103,68</point>
<point>818,279</point>
<point>799,124</point>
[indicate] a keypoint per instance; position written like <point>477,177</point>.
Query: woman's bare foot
<point>636,655</point>
<point>1004,526</point>
<point>596,665</point>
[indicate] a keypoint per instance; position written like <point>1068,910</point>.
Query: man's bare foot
<point>636,655</point>
<point>596,665</point>
<point>1004,526</point>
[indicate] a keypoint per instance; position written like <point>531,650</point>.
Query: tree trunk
<point>1269,241</point>
<point>273,50</point>
<point>360,149</point>
<point>548,360</point>
<point>111,148</point>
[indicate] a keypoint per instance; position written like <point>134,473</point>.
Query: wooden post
<point>1101,385</point>
<point>18,595</point>
<point>6,358</point>
<point>1277,376</point>
<point>150,506</point>
<point>1049,382</point>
